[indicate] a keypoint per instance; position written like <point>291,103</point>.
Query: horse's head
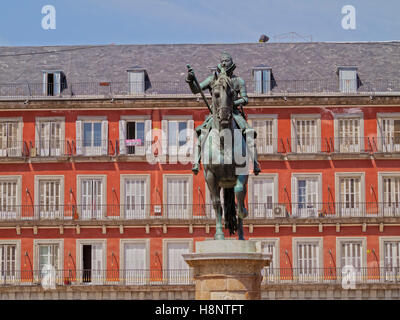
<point>222,99</point>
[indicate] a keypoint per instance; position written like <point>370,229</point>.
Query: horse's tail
<point>230,210</point>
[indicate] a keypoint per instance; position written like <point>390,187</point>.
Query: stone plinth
<point>227,269</point>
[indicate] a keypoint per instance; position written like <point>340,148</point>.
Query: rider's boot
<point>195,168</point>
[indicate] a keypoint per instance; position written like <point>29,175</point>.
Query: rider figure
<point>240,99</point>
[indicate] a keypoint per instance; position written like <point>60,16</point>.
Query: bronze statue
<point>228,94</point>
<point>240,100</point>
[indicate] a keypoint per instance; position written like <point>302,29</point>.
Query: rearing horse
<point>220,148</point>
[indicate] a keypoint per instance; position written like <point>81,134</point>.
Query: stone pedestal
<point>227,269</point>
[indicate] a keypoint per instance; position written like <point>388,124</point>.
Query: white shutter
<point>136,82</point>
<point>57,83</point>
<point>148,137</point>
<point>257,81</point>
<point>104,137</point>
<point>266,79</point>
<point>190,137</point>
<point>178,269</point>
<point>97,263</point>
<point>135,263</point>
<point>164,138</point>
<point>122,137</point>
<point>44,83</point>
<point>79,137</point>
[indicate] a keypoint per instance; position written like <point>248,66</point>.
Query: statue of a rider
<point>240,99</point>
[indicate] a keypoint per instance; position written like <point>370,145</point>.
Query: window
<point>389,132</point>
<point>135,255</point>
<point>92,193</point>
<point>305,134</point>
<point>348,79</point>
<point>307,264</point>
<point>178,136</point>
<point>50,137</point>
<point>92,137</point>
<point>53,82</point>
<point>11,138</point>
<point>135,196</point>
<point>48,255</point>
<point>262,79</point>
<point>306,197</point>
<point>50,196</point>
<point>178,271</point>
<point>263,196</point>
<point>266,128</point>
<point>92,262</point>
<point>352,254</point>
<point>136,79</point>
<point>391,260</point>
<point>348,133</point>
<point>270,273</point>
<point>351,196</point>
<point>135,136</point>
<point>389,193</point>
<point>8,262</point>
<point>178,195</point>
<point>10,197</point>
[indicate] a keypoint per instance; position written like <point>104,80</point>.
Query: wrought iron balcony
<point>196,212</point>
<point>180,88</point>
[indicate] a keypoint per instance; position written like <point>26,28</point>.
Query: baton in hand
<point>201,91</point>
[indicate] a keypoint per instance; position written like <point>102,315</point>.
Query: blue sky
<point>189,21</point>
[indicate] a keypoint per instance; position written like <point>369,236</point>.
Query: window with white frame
<point>91,137</point>
<point>8,262</point>
<point>135,136</point>
<point>352,254</point>
<point>92,261</point>
<point>270,273</point>
<point>178,136</point>
<point>178,195</point>
<point>50,197</point>
<point>348,133</point>
<point>135,262</point>
<point>263,197</point>
<point>305,134</point>
<point>50,137</point>
<point>10,197</point>
<point>389,193</point>
<point>306,197</point>
<point>178,271</point>
<point>11,137</point>
<point>48,255</point>
<point>52,81</point>
<point>136,79</point>
<point>308,260</point>
<point>348,79</point>
<point>135,196</point>
<point>389,132</point>
<point>350,189</point>
<point>391,260</point>
<point>262,79</point>
<point>92,197</point>
<point>266,128</point>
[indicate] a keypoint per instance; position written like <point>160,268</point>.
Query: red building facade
<point>78,191</point>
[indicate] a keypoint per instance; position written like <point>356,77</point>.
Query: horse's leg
<point>240,193</point>
<point>215,190</point>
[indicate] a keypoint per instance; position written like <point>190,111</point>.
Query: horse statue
<point>221,147</point>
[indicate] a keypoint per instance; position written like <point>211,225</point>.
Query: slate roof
<point>167,63</point>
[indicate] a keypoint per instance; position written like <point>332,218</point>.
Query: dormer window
<point>52,83</point>
<point>262,79</point>
<point>348,79</point>
<point>136,79</point>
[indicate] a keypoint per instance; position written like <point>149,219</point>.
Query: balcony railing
<point>152,277</point>
<point>331,275</point>
<point>386,144</point>
<point>180,87</point>
<point>351,144</point>
<point>14,149</point>
<point>199,212</point>
<point>50,148</point>
<point>97,277</point>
